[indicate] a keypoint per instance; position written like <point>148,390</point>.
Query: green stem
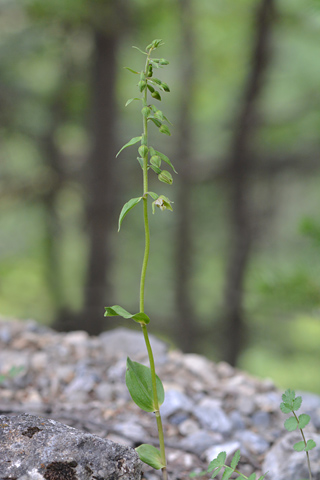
<point>142,287</point>
<point>305,442</point>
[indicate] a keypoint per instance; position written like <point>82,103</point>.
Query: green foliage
<point>117,311</point>
<point>150,455</point>
<point>139,384</point>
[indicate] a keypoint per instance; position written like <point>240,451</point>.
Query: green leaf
<point>141,51</point>
<point>132,71</point>
<point>310,445</point>
<point>156,121</point>
<point>285,408</point>
<point>153,195</point>
<point>126,209</point>
<point>252,476</point>
<point>117,311</point>
<point>216,472</point>
<point>263,476</point>
<point>304,419</point>
<point>291,424</point>
<point>156,95</point>
<point>140,160</point>
<point>299,446</point>
<point>131,100</point>
<point>217,462</point>
<point>150,455</point>
<point>164,158</point>
<point>227,473</point>
<point>139,384</point>
<point>235,459</point>
<point>131,142</point>
<point>296,404</point>
<point>288,396</point>
<point>156,169</point>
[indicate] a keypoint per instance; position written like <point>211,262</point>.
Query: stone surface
<point>35,448</point>
<point>79,380</point>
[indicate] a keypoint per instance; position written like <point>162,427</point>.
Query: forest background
<point>234,270</point>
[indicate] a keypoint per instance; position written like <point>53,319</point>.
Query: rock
<point>175,401</point>
<point>282,462</point>
<point>212,416</point>
<point>34,448</point>
<point>122,342</point>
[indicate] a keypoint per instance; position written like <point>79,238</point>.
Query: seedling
<point>144,386</point>
<point>290,404</point>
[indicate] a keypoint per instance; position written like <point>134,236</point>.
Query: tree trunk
<point>241,159</point>
<point>185,330</point>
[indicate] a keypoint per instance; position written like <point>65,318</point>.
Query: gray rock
<point>122,342</point>
<point>252,442</point>
<point>34,448</point>
<point>229,447</point>
<point>175,401</point>
<point>211,416</point>
<point>200,441</point>
<point>283,462</point>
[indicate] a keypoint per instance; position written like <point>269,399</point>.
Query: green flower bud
<point>150,72</point>
<point>163,61</point>
<point>165,177</point>
<point>165,87</point>
<point>164,129</point>
<point>159,114</point>
<point>155,94</point>
<point>163,203</point>
<point>146,111</point>
<point>155,160</point>
<point>143,151</point>
<point>150,87</point>
<point>142,85</point>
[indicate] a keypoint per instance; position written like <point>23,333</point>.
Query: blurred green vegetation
<point>45,60</point>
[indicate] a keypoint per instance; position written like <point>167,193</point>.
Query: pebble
<point>79,380</point>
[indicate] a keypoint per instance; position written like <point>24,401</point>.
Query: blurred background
<point>234,270</point>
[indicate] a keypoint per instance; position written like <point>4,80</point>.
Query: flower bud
<point>165,177</point>
<point>146,111</point>
<point>142,85</point>
<point>165,87</point>
<point>164,129</point>
<point>155,94</point>
<point>155,160</point>
<point>143,151</point>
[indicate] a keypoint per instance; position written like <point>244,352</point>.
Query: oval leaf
<point>150,455</point>
<point>126,209</point>
<point>227,473</point>
<point>296,404</point>
<point>291,424</point>
<point>131,100</point>
<point>131,142</point>
<point>117,311</point>
<point>139,384</point>
<point>304,419</point>
<point>310,445</point>
<point>299,446</point>
<point>235,459</point>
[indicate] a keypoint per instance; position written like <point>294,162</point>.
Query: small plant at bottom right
<point>290,404</point>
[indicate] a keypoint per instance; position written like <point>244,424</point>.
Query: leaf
<point>131,142</point>
<point>252,476</point>
<point>216,472</point>
<point>139,384</point>
<point>217,462</point>
<point>285,408</point>
<point>299,446</point>
<point>131,100</point>
<point>165,159</point>
<point>156,121</point>
<point>153,195</point>
<point>288,396</point>
<point>132,71</point>
<point>310,445</point>
<point>235,459</point>
<point>296,403</point>
<point>117,311</point>
<point>164,129</point>
<point>291,424</point>
<point>227,473</point>
<point>304,419</point>
<point>150,455</point>
<point>126,209</point>
<point>262,476</point>
<point>141,51</point>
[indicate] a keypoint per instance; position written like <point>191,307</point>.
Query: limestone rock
<point>34,448</point>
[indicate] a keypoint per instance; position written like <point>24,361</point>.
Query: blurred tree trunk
<point>184,327</point>
<point>241,208</point>
<point>101,182</point>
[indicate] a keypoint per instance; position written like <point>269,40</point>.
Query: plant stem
<point>305,442</point>
<point>142,286</point>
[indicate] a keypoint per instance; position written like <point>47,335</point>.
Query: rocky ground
<point>79,380</point>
